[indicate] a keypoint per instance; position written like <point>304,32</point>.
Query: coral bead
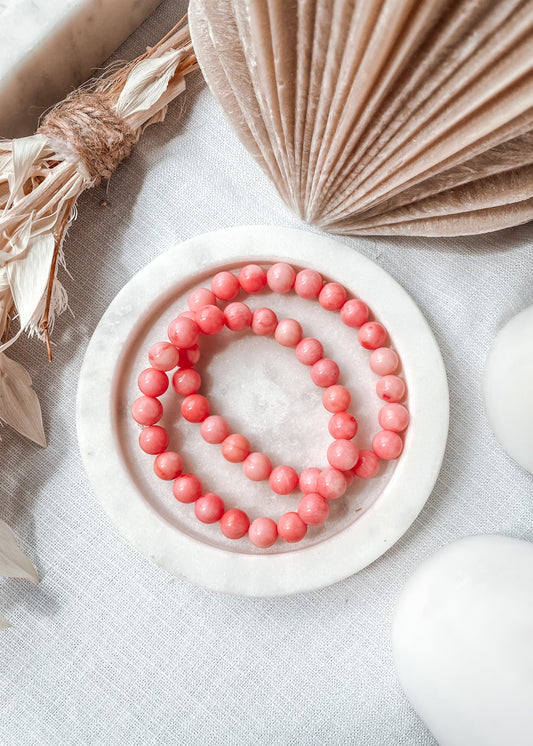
<point>152,382</point>
<point>325,372</point>
<point>332,297</point>
<point>390,388</point>
<point>308,284</point>
<point>153,440</point>
<point>309,351</point>
<point>372,335</point>
<point>234,523</point>
<point>252,278</point>
<point>342,454</point>
<point>291,528</point>
<point>209,508</point>
<point>383,361</point>
<point>264,322</point>
<point>187,315</point>
<point>263,532</point>
<point>210,319</point>
<point>342,425</point>
<point>313,509</point>
<point>393,417</point>
<point>387,444</point>
<point>308,481</point>
<point>237,316</point>
<point>235,448</point>
<point>163,356</point>
<point>225,285</point>
<point>195,408</point>
<point>189,357</point>
<point>336,398</point>
<point>147,410</point>
<point>168,465</point>
<point>187,488</point>
<point>288,332</point>
<point>201,297</point>
<point>281,277</point>
<point>186,381</point>
<point>183,332</point>
<point>256,466</point>
<point>331,484</point>
<point>367,465</point>
<point>283,480</point>
<point>214,429</point>
<point>354,313</point>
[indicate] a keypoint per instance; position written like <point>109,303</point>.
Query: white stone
<point>266,394</point>
<point>508,388</point>
<point>47,48</point>
<point>463,642</point>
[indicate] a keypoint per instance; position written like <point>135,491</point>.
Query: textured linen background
<point>108,649</point>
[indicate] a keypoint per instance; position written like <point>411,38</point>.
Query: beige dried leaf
<point>13,561</point>
<point>19,405</point>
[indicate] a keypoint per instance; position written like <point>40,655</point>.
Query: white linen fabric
<point>108,649</point>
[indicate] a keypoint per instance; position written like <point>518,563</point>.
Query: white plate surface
<point>267,395</point>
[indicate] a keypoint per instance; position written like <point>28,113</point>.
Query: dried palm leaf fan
<point>380,116</point>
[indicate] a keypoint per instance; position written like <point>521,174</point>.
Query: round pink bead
<point>209,508</point>
<point>201,297</point>
<point>372,335</point>
<point>342,425</point>
<point>354,313</point>
<point>308,283</point>
<point>263,532</point>
<point>183,332</point>
<point>336,398</point>
<point>186,381</point>
<point>147,410</point>
<point>390,388</point>
<point>235,448</point>
<point>325,372</point>
<point>313,509</point>
<point>234,524</point>
<point>331,484</point>
<point>281,277</point>
<point>367,465</point>
<point>252,278</point>
<point>187,315</point>
<point>332,297</point>
<point>342,454</point>
<point>189,357</point>
<point>163,356</point>
<point>237,316</point>
<point>195,408</point>
<point>256,466</point>
<point>264,322</point>
<point>168,465</point>
<point>387,444</point>
<point>393,417</point>
<point>288,332</point>
<point>291,528</point>
<point>349,476</point>
<point>225,285</point>
<point>153,439</point>
<point>210,319</point>
<point>308,481</point>
<point>383,361</point>
<point>152,382</point>
<point>187,488</point>
<point>309,351</point>
<point>214,429</point>
<point>283,480</point>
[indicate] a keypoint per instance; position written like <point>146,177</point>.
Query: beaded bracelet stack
<point>181,352</point>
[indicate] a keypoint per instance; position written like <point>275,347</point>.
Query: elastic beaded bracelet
<point>318,485</point>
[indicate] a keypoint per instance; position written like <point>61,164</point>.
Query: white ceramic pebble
<point>508,388</point>
<point>463,642</point>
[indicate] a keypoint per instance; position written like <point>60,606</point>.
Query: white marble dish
<point>463,642</point>
<point>267,395</point>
